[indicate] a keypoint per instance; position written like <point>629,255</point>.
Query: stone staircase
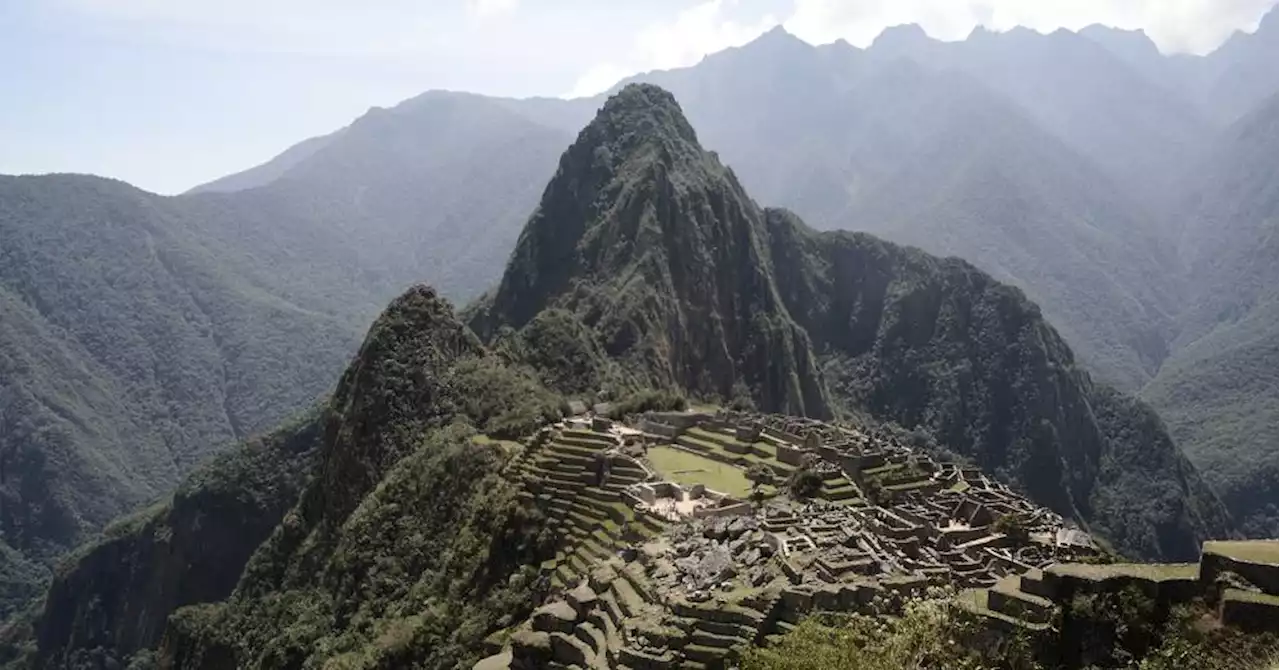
<point>586,509</point>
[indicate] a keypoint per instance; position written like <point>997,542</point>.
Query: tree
<point>759,475</point>
<point>1012,525</point>
<point>805,483</point>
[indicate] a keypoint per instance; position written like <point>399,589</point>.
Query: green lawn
<point>1152,571</point>
<point>1253,551</point>
<point>683,467</point>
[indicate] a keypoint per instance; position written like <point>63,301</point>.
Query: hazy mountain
<point>937,159</point>
<point>432,189</point>
<point>130,351</point>
<point>141,334</point>
<point>270,171</point>
<point>407,528</point>
<point>1225,84</point>
<point>1241,73</point>
<point>652,247</point>
<point>1132,128</point>
<point>1217,391</point>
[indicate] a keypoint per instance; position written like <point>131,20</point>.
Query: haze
<point>169,95</point>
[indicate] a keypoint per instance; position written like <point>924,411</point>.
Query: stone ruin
<point>658,574</point>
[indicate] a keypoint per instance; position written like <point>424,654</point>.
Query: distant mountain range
<point>1130,195</point>
<point>644,266</point>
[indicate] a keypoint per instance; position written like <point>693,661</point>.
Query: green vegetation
<point>1253,551</point>
<point>950,354</point>
<point>432,562</point>
<point>1122,630</point>
<point>929,634</point>
<point>132,350</point>
<point>645,266</point>
<point>111,598</point>
<point>804,483</point>
<point>688,468</point>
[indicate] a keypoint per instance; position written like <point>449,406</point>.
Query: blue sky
<point>166,94</point>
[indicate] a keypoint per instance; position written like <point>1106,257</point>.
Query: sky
<point>168,94</point>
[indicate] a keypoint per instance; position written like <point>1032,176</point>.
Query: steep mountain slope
<point>394,437</point>
<point>433,189</point>
<point>920,152</point>
<point>113,597</point>
<point>130,352</point>
<point>1217,392</point>
<point>408,545</point>
<point>655,249</point>
<point>270,171</point>
<point>140,334</point>
<point>1240,74</point>
<point>1135,129</point>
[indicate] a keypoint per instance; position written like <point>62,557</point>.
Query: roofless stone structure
<point>660,569</point>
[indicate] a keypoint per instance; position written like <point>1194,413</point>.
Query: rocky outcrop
<point>115,596</point>
<point>650,245</point>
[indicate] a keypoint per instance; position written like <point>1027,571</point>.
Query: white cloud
<point>697,31</point>
<point>387,28</point>
<point>488,8</point>
<point>1195,26</point>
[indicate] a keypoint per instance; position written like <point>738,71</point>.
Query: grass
<point>1253,551</point>
<point>507,446</point>
<point>1240,595</point>
<point>1152,571</point>
<point>683,467</point>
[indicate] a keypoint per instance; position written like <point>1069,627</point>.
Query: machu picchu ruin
<point>690,535</point>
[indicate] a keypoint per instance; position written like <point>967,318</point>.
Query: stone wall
<point>655,427</point>
<point>1262,575</point>
<point>735,509</point>
<point>790,455</point>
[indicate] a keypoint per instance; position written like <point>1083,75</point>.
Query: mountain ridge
<point>882,317</point>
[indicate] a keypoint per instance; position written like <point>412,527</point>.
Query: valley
<point>511,383</point>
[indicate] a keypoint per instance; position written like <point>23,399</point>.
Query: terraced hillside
<point>565,474</point>
<point>657,567</point>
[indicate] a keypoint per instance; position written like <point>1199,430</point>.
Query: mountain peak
<point>1269,22</point>
<point>638,116</point>
<point>901,37</point>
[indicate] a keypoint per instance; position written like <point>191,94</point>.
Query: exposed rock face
<point>653,246</point>
<point>408,525</point>
<point>115,596</point>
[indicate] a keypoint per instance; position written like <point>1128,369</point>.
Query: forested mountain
<point>407,545</point>
<point>1217,391</point>
<point>129,352</point>
<point>141,334</point>
<point>647,247</point>
<point>937,159</point>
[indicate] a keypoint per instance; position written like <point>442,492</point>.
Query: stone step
<point>594,550</point>
<point>600,495</point>
<point>640,659</point>
<point>634,575</point>
<point>611,607</point>
<point>726,629</point>
<point>708,655</point>
<point>589,445</point>
<point>579,564</point>
<point>582,521</point>
<point>629,601</point>
<point>571,651</point>
<point>705,639</point>
<point>600,618</point>
<point>592,636</point>
<point>573,453</point>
